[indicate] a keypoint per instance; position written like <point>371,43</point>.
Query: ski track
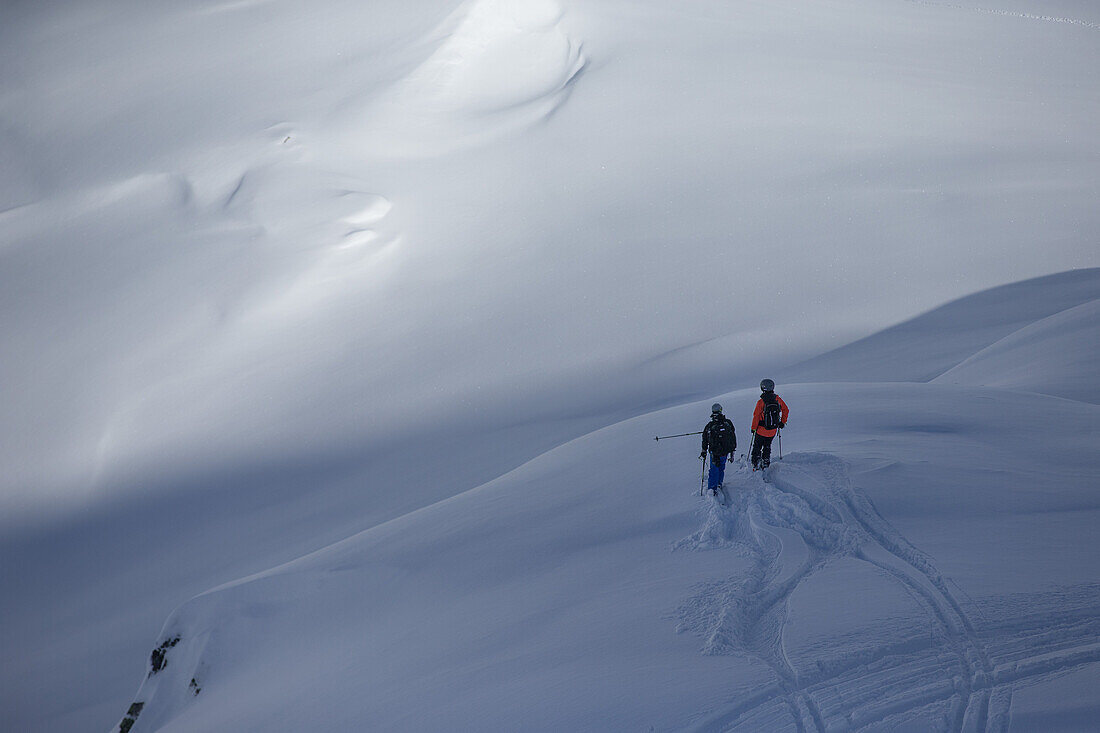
<point>958,674</point>
<point>1010,14</point>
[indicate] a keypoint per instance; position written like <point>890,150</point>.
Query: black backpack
<point>723,441</point>
<point>772,414</point>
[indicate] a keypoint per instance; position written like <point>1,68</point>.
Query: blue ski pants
<point>717,472</point>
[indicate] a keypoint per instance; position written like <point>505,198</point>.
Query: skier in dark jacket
<point>769,417</point>
<point>720,438</point>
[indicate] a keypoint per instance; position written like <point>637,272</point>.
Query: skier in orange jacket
<point>768,418</point>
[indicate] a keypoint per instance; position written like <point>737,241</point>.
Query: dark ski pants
<point>717,471</point>
<point>762,450</point>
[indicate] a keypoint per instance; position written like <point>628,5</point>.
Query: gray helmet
<point>716,408</point>
<point>767,385</point>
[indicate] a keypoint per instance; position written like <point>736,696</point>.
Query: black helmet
<point>716,408</point>
<point>767,385</point>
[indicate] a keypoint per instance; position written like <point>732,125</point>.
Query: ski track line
<point>971,710</point>
<point>1000,705</point>
<point>1010,14</point>
<point>747,615</point>
<point>874,703</point>
<point>858,512</point>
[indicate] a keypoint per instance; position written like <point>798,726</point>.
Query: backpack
<point>722,438</point>
<point>772,415</point>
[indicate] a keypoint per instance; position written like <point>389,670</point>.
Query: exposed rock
<point>131,717</point>
<point>159,658</point>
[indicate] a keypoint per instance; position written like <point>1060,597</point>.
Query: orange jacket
<point>758,415</point>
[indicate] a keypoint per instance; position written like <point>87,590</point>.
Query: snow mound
<point>1045,357</point>
<point>503,65</point>
<point>925,347</point>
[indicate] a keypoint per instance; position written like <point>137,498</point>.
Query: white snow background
<point>378,306</point>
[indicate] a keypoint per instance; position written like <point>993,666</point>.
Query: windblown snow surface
<point>335,337</point>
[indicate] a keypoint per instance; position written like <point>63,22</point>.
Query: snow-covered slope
<point>1045,356</point>
<point>923,557</point>
<point>275,274</point>
<point>914,561</point>
<point>1039,319</point>
<point>233,230</point>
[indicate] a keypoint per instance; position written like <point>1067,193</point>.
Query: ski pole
<point>702,475</point>
<point>681,435</point>
<point>779,434</point>
<point>752,449</point>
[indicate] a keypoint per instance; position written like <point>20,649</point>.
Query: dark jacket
<point>716,420</point>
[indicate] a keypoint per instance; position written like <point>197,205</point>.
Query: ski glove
<point>702,455</point>
<point>782,425</point>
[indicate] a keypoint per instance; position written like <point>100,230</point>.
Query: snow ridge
<point>504,65</point>
<point>930,345</point>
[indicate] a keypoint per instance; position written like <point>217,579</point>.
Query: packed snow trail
<point>1011,14</point>
<point>808,515</point>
